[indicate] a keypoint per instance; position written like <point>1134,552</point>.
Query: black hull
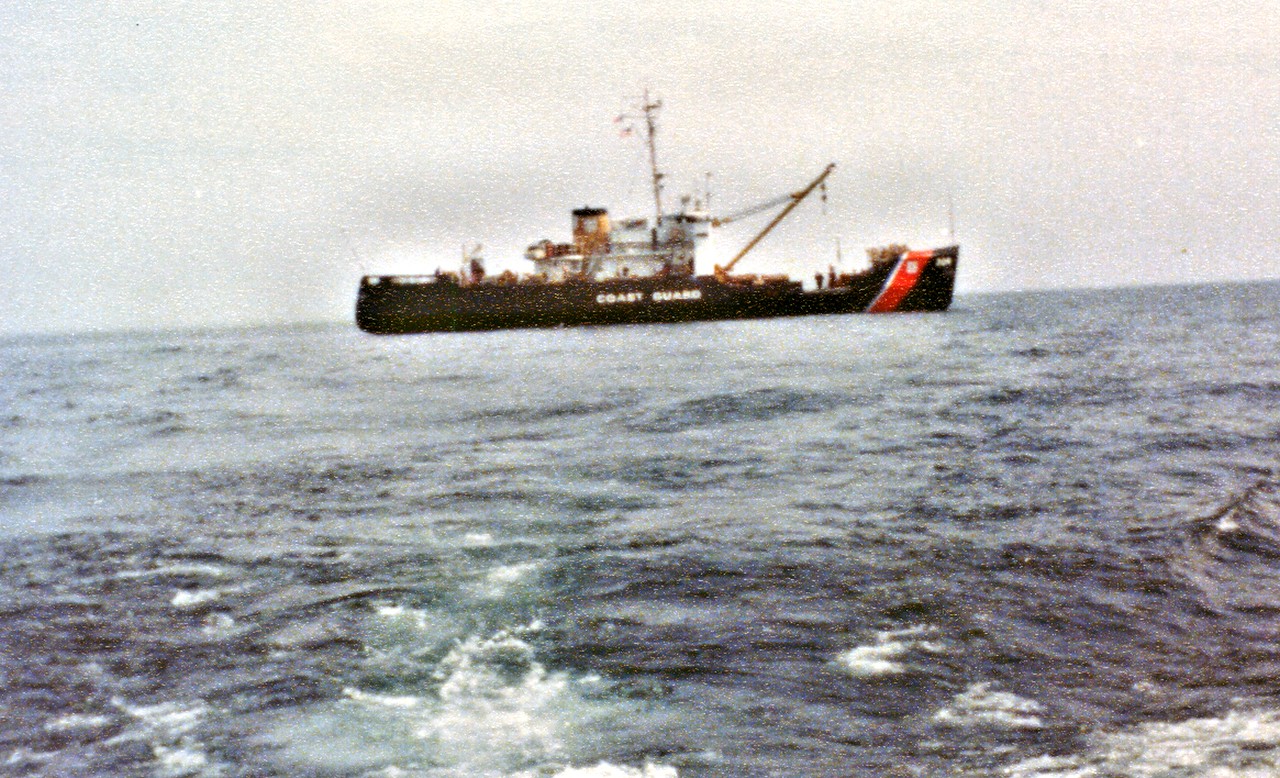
<point>921,281</point>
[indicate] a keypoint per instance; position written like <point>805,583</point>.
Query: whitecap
<point>1050,767</point>
<point>883,657</point>
<point>1237,740</point>
<point>401,631</point>
<point>607,770</point>
<point>26,758</point>
<point>193,598</point>
<point>217,625</point>
<point>180,760</point>
<point>488,667</point>
<point>494,710</point>
<point>194,570</point>
<point>167,728</point>
<point>385,700</point>
<point>168,718</point>
<point>402,616</point>
<point>499,580</point>
<point>1240,744</point>
<point>76,722</point>
<point>511,573</point>
<point>879,659</point>
<point>981,705</point>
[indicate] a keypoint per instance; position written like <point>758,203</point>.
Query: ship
<point>642,271</point>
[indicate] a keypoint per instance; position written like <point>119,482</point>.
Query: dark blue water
<point>1036,536</point>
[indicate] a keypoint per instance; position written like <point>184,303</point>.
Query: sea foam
<point>885,656</point>
<point>169,729</point>
<point>493,709</point>
<point>982,706</point>
<point>194,598</point>
<point>1240,744</point>
<point>607,770</point>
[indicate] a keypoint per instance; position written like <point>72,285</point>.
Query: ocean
<point>1038,535</point>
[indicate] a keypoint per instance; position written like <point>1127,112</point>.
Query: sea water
<point>1038,535</point>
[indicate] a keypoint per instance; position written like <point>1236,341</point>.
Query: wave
<point>607,770</point>
<point>757,405</point>
<point>553,412</point>
<point>315,486</point>
<point>1211,442</point>
<point>172,731</point>
<point>1252,391</point>
<point>673,472</point>
<point>1242,743</point>
<point>488,706</point>
<point>1232,556</point>
<point>176,570</point>
<point>192,599</point>
<point>1087,391</point>
<point>1250,524</point>
<point>889,653</point>
<point>982,705</point>
<point>25,479</point>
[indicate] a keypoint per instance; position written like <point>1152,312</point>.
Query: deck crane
<point>720,221</point>
<point>792,201</point>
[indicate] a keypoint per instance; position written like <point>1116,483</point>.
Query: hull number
<point>611,298</point>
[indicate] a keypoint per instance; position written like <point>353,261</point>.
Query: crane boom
<point>720,221</point>
<point>795,200</point>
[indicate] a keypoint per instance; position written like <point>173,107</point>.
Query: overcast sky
<point>166,163</point>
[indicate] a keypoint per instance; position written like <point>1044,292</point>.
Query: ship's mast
<point>951,216</point>
<point>650,108</point>
<point>649,112</point>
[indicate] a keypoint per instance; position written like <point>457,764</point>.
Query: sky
<point>167,164</point>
